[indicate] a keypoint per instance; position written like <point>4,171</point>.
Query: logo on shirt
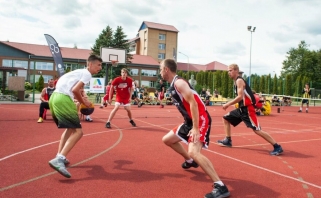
<point>122,85</point>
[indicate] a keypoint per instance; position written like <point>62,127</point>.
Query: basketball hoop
<point>114,63</point>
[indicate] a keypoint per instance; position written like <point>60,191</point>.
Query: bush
<point>27,95</point>
<point>28,86</point>
<point>198,88</point>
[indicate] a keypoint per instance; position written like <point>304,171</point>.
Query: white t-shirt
<point>68,81</point>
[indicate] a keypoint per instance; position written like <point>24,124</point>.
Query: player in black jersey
<point>194,130</point>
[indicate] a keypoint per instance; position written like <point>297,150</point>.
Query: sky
<point>209,30</point>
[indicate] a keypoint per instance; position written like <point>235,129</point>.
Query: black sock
<point>276,145</point>
<point>229,138</point>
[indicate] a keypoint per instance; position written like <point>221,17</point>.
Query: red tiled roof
<point>216,66</point>
<point>133,39</point>
<point>43,50</point>
<point>160,26</point>
<point>142,59</point>
<point>213,66</point>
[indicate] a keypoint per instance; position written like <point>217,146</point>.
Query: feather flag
<point>56,54</point>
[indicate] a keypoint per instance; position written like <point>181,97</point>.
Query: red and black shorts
<point>204,126</point>
<point>245,114</point>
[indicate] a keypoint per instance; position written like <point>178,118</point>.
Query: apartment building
<point>156,40</point>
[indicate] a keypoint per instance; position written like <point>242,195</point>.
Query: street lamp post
<point>187,64</point>
<point>283,82</point>
<point>249,28</point>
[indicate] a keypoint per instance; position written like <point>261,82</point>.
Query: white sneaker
<point>58,164</point>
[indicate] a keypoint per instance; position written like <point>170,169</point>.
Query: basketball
<point>87,110</point>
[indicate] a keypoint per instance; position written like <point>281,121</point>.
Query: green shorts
<point>64,111</point>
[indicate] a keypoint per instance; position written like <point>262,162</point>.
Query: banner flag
<point>56,54</point>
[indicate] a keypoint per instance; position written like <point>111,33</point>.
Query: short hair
<point>125,70</point>
<point>94,57</point>
<point>307,84</point>
<point>170,64</point>
<point>234,66</point>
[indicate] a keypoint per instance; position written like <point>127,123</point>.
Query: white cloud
<point>209,30</point>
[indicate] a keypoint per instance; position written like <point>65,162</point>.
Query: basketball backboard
<point>113,54</point>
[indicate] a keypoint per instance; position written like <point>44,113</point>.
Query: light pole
<point>283,82</point>
<point>249,28</point>
<point>187,64</point>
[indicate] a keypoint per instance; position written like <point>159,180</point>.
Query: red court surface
<point>128,161</point>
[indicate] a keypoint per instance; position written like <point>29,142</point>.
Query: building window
<point>133,72</point>
<point>148,83</point>
<point>72,66</point>
<point>151,73</point>
<point>15,63</point>
<point>161,46</point>
<point>42,65</point>
<point>161,56</point>
<point>46,78</point>
<point>162,37</point>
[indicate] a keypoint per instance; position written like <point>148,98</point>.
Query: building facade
<point>156,40</point>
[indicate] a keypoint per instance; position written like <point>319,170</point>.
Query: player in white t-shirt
<point>64,111</point>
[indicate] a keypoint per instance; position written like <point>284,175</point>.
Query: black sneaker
<point>306,111</point>
<point>277,150</point>
<point>218,192</point>
<point>226,142</point>
<point>108,125</point>
<point>132,122</point>
<point>300,111</point>
<point>187,165</point>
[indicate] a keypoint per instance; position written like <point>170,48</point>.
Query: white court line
<point>288,142</point>
<point>265,169</point>
<point>43,145</point>
<point>76,164</point>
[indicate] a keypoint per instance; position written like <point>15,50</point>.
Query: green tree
<point>41,83</point>
<point>105,39</point>
<point>269,84</point>
<point>275,85</point>
<point>255,82</point>
<point>288,85</point>
<point>121,42</point>
<point>302,61</point>
<point>261,85</point>
<point>298,86</point>
<point>224,89</point>
<point>218,81</point>
<point>230,88</point>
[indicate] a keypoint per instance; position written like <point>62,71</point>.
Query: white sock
<point>220,183</point>
<point>87,116</point>
<point>301,108</point>
<point>306,109</point>
<point>189,161</point>
<point>61,156</point>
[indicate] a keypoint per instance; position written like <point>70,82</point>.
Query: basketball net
<point>114,63</point>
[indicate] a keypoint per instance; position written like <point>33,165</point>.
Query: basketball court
<point>127,161</point>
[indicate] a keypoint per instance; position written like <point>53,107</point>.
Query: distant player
<point>124,90</point>
<point>306,95</point>
<point>106,97</point>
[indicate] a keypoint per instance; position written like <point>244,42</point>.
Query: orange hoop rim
<point>114,63</point>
